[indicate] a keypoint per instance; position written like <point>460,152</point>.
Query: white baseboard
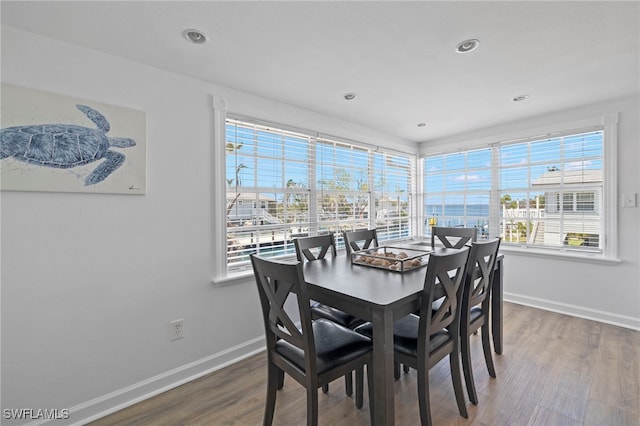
<point>573,310</point>
<point>110,403</point>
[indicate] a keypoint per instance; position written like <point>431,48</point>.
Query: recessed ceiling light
<point>195,36</point>
<point>467,45</point>
<point>349,96</point>
<point>520,98</point>
<point>421,124</point>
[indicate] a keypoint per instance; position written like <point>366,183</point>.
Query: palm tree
<point>233,148</point>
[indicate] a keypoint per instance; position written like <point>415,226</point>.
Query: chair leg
<point>405,367</point>
<point>325,388</point>
<point>486,348</point>
<point>348,384</point>
<point>312,406</point>
<point>359,387</point>
<point>467,369</point>
<point>370,387</point>
<point>280,379</point>
<point>396,370</point>
<point>273,380</point>
<point>456,377</point>
<point>423,397</point>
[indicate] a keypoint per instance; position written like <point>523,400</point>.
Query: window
<point>567,168</point>
<point>458,190</point>
<point>553,194</point>
<point>283,184</point>
<point>543,193</point>
<point>585,202</point>
<point>393,191</point>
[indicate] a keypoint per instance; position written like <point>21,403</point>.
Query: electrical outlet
<point>176,329</point>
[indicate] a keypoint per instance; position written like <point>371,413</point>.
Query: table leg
<point>383,386</point>
<point>496,306</point>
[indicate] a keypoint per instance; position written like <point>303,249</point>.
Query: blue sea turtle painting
<point>64,146</point>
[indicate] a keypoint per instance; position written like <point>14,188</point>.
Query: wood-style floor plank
<point>555,370</point>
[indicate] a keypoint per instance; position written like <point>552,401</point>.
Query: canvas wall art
<point>51,142</point>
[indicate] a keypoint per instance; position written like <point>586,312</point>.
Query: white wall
<point>90,282</point>
<point>607,292</point>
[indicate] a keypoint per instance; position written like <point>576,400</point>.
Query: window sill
<point>232,279</point>
<point>558,254</point>
<point>244,275</point>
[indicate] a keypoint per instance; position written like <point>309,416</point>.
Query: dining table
<point>381,297</point>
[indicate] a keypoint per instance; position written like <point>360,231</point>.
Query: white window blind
<point>458,190</point>
<point>551,192</point>
<point>343,192</point>
<point>393,192</point>
<point>284,184</point>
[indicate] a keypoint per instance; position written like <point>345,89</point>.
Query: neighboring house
<point>251,207</point>
<point>572,203</point>
<point>387,207</point>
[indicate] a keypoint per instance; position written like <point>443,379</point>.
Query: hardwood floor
<point>555,370</point>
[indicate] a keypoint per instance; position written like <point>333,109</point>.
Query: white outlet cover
<point>176,329</point>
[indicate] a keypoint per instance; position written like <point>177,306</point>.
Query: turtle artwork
<point>64,146</point>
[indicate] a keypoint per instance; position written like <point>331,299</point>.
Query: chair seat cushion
<point>335,345</point>
<point>318,310</point>
<point>405,335</point>
<point>476,312</point>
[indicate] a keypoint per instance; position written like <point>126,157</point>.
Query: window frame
<point>222,274</point>
<point>567,220</point>
<point>608,125</point>
<point>467,174</point>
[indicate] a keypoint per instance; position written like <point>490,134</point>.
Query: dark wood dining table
<point>382,296</point>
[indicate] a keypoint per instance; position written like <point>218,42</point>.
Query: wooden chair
<point>317,353</point>
<point>422,341</point>
<point>475,308</point>
<point>315,248</point>
<point>360,240</point>
<point>450,238</point>
<point>453,237</point>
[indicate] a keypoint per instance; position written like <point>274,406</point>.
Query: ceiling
<point>398,57</point>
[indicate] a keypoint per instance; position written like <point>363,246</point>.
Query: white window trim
<point>610,202</point>
<point>609,125</point>
<point>220,273</point>
<point>219,196</point>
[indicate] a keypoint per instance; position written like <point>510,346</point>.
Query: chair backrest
<point>480,269</point>
<point>453,237</point>
<point>276,280</point>
<point>448,272</point>
<point>360,240</point>
<point>314,248</point>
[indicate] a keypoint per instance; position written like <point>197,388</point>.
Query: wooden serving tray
<point>397,259</point>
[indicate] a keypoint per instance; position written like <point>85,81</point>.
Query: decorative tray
<point>398,259</point>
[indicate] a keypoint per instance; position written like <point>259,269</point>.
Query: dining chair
<point>453,237</point>
<point>421,341</point>
<point>476,299</point>
<point>318,352</point>
<point>309,249</point>
<point>449,237</point>
<point>314,248</point>
<point>360,240</point>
